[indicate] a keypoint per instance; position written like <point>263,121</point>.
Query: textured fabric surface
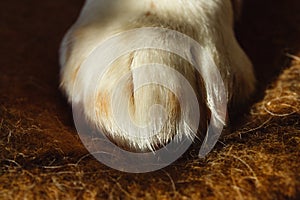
<point>41,155</point>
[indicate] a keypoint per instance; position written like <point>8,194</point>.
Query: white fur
<point>209,22</point>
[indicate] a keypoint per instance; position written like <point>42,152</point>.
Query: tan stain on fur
<point>41,156</point>
<point>131,86</point>
<point>148,14</point>
<point>74,75</point>
<point>152,5</point>
<point>103,104</point>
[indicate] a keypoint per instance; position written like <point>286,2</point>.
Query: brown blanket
<point>41,155</point>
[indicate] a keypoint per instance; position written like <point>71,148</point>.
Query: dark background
<point>41,155</point>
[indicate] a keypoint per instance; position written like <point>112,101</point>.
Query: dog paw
<point>146,97</point>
